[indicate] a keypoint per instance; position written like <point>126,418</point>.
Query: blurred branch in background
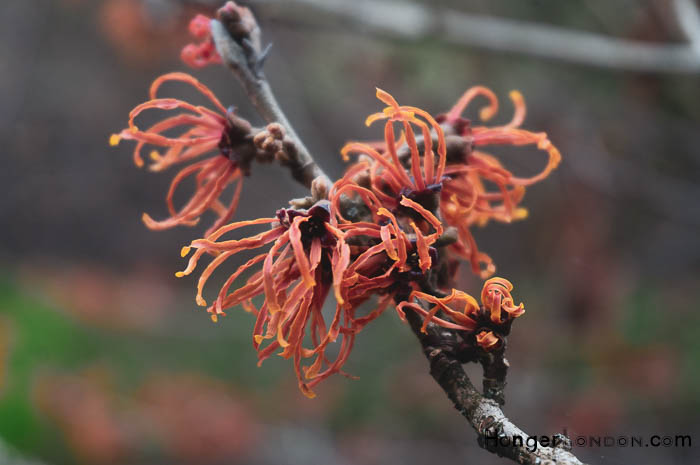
<point>689,21</point>
<point>413,21</point>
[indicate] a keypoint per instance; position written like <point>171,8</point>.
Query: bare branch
<point>243,55</point>
<point>410,21</point>
<point>495,431</point>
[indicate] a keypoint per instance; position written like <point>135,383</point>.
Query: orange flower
<point>394,249</point>
<point>308,256</point>
<point>388,178</point>
<point>495,296</point>
<point>465,201</point>
<point>400,229</point>
<point>464,316</point>
<point>487,324</point>
<point>407,167</point>
<point>203,53</point>
<point>509,134</point>
<point>205,131</point>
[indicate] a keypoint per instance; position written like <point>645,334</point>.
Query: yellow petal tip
<point>185,251</point>
<point>486,113</point>
<point>114,140</point>
<point>307,392</point>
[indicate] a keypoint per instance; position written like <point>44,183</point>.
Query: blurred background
<point>104,356</point>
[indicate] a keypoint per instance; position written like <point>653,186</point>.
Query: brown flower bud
<point>276,130</point>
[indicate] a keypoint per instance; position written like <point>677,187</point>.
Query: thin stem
<point>245,61</point>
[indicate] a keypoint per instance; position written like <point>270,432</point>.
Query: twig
<point>411,21</point>
<point>240,50</point>
<point>495,431</point>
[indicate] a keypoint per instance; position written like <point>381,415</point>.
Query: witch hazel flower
<point>465,199</point>
<point>487,324</point>
<point>211,147</point>
<point>508,134</point>
<point>306,258</point>
<point>398,201</point>
<point>388,178</point>
<point>389,256</point>
<point>420,171</point>
<point>391,259</point>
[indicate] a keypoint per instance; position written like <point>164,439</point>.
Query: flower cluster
<point>377,234</point>
<point>392,228</point>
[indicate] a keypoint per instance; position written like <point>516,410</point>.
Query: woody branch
<point>495,432</point>
<point>237,38</point>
